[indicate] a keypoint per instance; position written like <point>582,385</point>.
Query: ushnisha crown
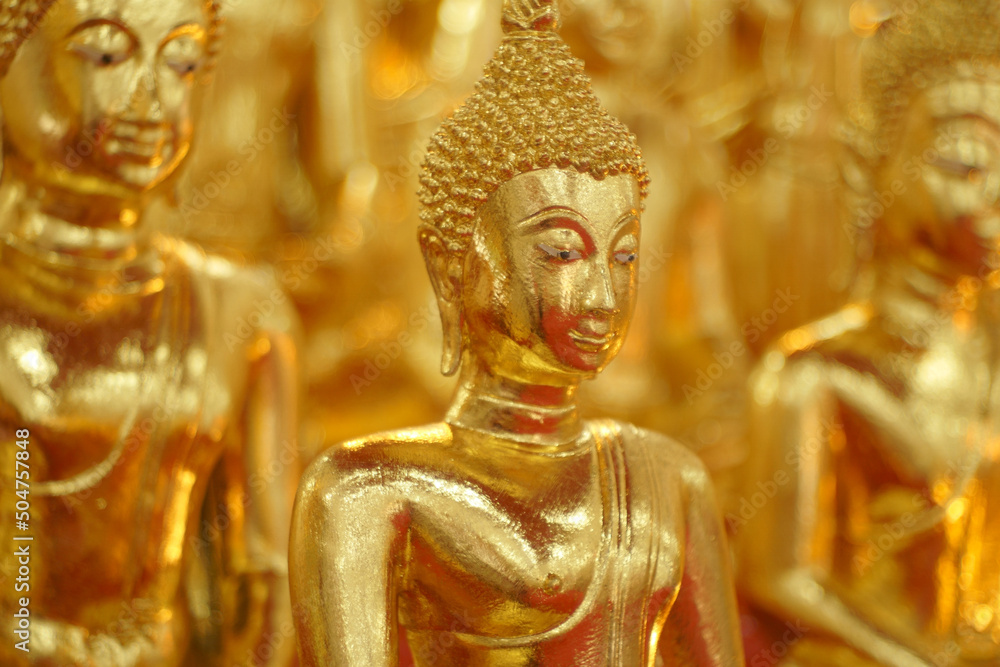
<point>533,109</point>
<point>922,43</point>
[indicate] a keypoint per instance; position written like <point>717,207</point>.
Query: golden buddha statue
<point>147,391</point>
<point>514,532</point>
<point>871,514</point>
<point>306,162</point>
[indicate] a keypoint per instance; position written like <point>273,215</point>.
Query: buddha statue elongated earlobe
<point>445,272</point>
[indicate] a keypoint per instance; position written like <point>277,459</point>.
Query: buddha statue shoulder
<point>516,532</point>
<point>153,387</point>
<point>871,513</point>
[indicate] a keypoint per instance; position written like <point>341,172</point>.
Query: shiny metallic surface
<point>205,204</point>
<point>152,417</point>
<point>873,431</point>
<point>515,532</point>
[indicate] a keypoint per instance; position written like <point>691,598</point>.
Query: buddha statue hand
<point>59,644</point>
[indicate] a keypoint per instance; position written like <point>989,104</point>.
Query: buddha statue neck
<point>534,417</point>
<point>61,248</point>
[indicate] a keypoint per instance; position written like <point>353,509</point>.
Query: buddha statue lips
<point>514,532</point>
<point>141,142</point>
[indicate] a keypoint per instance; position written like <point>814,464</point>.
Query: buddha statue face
<point>946,172</point>
<point>547,285</point>
<point>531,194</point>
<point>99,99</point>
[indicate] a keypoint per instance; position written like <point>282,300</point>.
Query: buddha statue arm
<point>346,531</point>
<point>269,470</point>
<point>702,627</point>
<point>786,542</point>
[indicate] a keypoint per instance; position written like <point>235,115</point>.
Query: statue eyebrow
<point>565,217</point>
<point>627,218</point>
<point>91,23</point>
<point>191,29</point>
<point>992,123</point>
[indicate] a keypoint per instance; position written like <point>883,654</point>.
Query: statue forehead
<point>605,200</point>
<point>156,14</point>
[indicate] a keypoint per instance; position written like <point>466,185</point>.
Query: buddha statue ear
<point>18,19</point>
<point>445,271</point>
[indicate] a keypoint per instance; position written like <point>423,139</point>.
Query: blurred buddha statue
<point>872,512</point>
<point>787,255</point>
<point>306,161</point>
<point>514,532</point>
<point>268,182</point>
<point>150,388</point>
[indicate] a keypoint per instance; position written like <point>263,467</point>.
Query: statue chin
<point>142,177</point>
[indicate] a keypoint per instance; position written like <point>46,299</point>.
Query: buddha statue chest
<point>570,569</point>
<point>925,504</point>
<point>126,421</point>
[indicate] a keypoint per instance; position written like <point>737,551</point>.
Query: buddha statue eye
<point>958,167</point>
<point>184,54</point>
<point>627,249</point>
<point>561,255</point>
<point>103,44</point>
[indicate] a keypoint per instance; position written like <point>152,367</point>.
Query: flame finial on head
<point>530,16</point>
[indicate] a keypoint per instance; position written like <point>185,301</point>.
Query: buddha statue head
<point>929,118</point>
<point>531,198</point>
<point>98,99</point>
